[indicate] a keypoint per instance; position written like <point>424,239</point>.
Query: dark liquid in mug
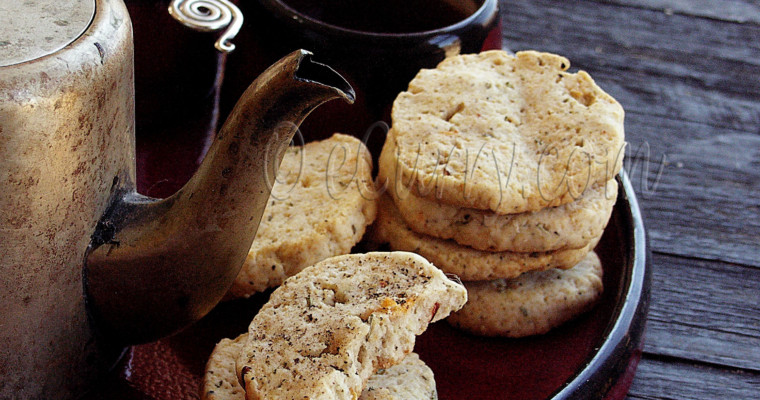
<point>387,16</point>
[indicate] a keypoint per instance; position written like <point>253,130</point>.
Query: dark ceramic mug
<point>377,45</point>
<point>176,67</point>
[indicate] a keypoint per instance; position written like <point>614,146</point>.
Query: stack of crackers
<point>500,169</point>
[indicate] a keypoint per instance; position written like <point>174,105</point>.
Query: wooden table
<point>688,75</point>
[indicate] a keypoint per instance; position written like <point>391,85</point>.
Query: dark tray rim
<point>609,371</point>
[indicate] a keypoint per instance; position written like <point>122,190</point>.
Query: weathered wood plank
<point>705,312</point>
<point>728,10</point>
<point>704,201</point>
<point>667,380</point>
<point>700,112</point>
<point>691,88</point>
<point>674,66</point>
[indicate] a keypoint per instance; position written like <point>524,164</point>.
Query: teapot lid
<point>30,29</point>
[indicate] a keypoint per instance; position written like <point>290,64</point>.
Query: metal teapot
<point>87,265</point>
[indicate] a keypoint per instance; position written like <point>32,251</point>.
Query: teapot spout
<point>154,266</point>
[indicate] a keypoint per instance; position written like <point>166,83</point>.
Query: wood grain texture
<point>705,312</point>
<point>702,199</point>
<point>691,89</point>
<point>688,75</point>
<point>656,64</point>
<point>742,11</point>
<point>667,379</point>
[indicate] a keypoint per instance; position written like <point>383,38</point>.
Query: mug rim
<point>281,8</point>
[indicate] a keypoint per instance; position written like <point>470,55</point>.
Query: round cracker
<point>327,329</point>
<point>504,133</point>
<point>320,207</point>
<point>468,263</point>
<point>411,379</point>
<point>220,381</point>
<point>569,226</point>
<point>531,304</point>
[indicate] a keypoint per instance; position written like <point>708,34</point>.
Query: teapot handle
<point>210,15</point>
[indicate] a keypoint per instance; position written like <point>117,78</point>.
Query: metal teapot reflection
<point>87,265</point>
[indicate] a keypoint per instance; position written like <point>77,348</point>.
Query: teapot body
<point>66,146</point>
<point>87,264</point>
